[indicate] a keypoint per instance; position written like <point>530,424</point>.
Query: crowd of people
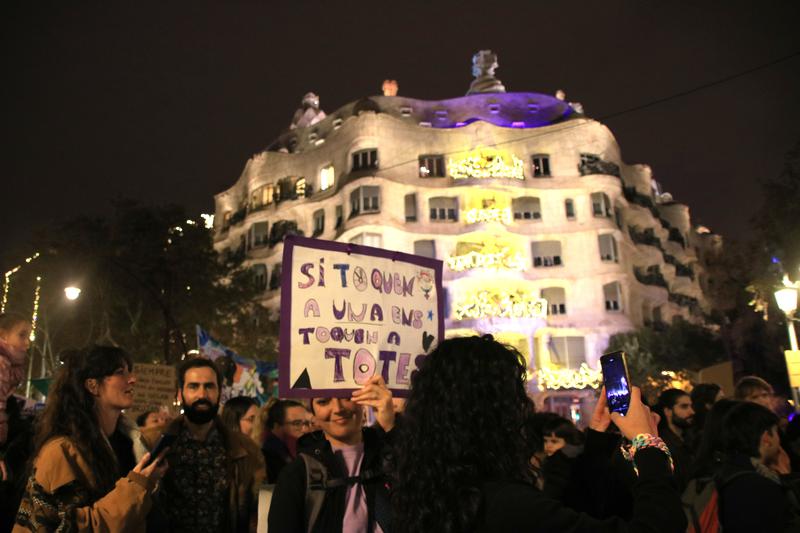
<point>468,453</point>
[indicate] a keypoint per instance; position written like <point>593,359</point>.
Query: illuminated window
<point>567,352</point>
<point>258,235</point>
<point>546,253</point>
<point>300,187</point>
<point>365,200</point>
<point>326,177</point>
<point>365,159</point>
<point>444,208</point>
<point>608,248</point>
<point>613,296</point>
<point>368,239</point>
<point>319,222</point>
<point>569,207</point>
<point>425,248</point>
<point>526,208</point>
<point>226,218</point>
<point>431,166</point>
<point>601,205</point>
<point>556,300</point>
<point>541,166</point>
<point>411,207</point>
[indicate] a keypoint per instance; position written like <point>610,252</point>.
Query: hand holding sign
<point>375,394</point>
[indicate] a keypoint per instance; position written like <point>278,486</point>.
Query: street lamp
<point>72,293</point>
<point>787,302</point>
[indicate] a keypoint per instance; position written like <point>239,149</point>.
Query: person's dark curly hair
<point>70,410</point>
<point>462,425</point>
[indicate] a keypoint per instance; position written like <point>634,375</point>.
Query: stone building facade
<point>526,200</point>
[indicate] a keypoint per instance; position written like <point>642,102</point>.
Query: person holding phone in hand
<point>461,461</point>
<point>88,474</point>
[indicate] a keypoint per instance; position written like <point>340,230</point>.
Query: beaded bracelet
<point>645,440</point>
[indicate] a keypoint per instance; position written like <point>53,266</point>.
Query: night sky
<point>165,102</point>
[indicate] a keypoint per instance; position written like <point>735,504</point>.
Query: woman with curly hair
<point>83,447</point>
<point>461,461</point>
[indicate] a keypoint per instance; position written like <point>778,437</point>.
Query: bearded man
<point>214,474</point>
<point>677,418</point>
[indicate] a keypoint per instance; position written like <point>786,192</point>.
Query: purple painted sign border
<point>289,243</point>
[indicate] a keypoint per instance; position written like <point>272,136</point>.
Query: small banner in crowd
<point>240,376</point>
<point>156,388</point>
<point>349,312</point>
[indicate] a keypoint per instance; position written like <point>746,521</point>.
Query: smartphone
<point>164,441</point>
<point>617,381</point>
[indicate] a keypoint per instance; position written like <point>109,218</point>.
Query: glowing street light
<point>72,293</point>
<point>787,302</point>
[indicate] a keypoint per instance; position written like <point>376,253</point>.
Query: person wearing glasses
<point>287,421</point>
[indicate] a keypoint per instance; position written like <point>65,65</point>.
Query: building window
<point>365,159</point>
<point>541,166</point>
<point>275,277</point>
<point>261,197</point>
<point>300,187</point>
<point>259,273</point>
<point>339,216</point>
<point>526,208</point>
<point>368,239</point>
<point>411,207</point>
<point>431,166</point>
<point>319,222</point>
<point>259,235</point>
<point>612,296</point>
<point>546,253</point>
<point>365,200</point>
<point>608,248</point>
<point>601,206</point>
<point>569,207</point>
<point>567,352</point>
<point>226,218</point>
<point>444,208</point>
<point>425,248</point>
<point>556,300</point>
<point>326,177</point>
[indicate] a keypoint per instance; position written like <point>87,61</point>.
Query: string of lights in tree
<point>486,163</point>
<point>503,258</point>
<point>492,214</point>
<point>565,378</point>
<point>35,315</point>
<point>500,304</point>
<point>7,281</point>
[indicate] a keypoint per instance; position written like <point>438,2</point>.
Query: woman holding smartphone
<point>461,460</point>
<point>85,473</point>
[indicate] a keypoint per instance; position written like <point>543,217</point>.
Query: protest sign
<point>349,312</point>
<point>155,388</point>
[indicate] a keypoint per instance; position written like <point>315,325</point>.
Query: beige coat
<point>62,481</point>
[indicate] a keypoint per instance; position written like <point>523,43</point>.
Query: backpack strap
<point>316,483</point>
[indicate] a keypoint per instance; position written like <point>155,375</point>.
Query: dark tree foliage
<point>148,275</point>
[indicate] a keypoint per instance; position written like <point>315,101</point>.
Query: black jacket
<point>287,509</point>
<point>754,502</point>
<point>519,507</point>
<point>276,456</point>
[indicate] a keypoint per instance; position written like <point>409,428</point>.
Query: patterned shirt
<point>195,488</point>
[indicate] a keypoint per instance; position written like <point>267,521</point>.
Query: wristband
<point>646,440</point>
